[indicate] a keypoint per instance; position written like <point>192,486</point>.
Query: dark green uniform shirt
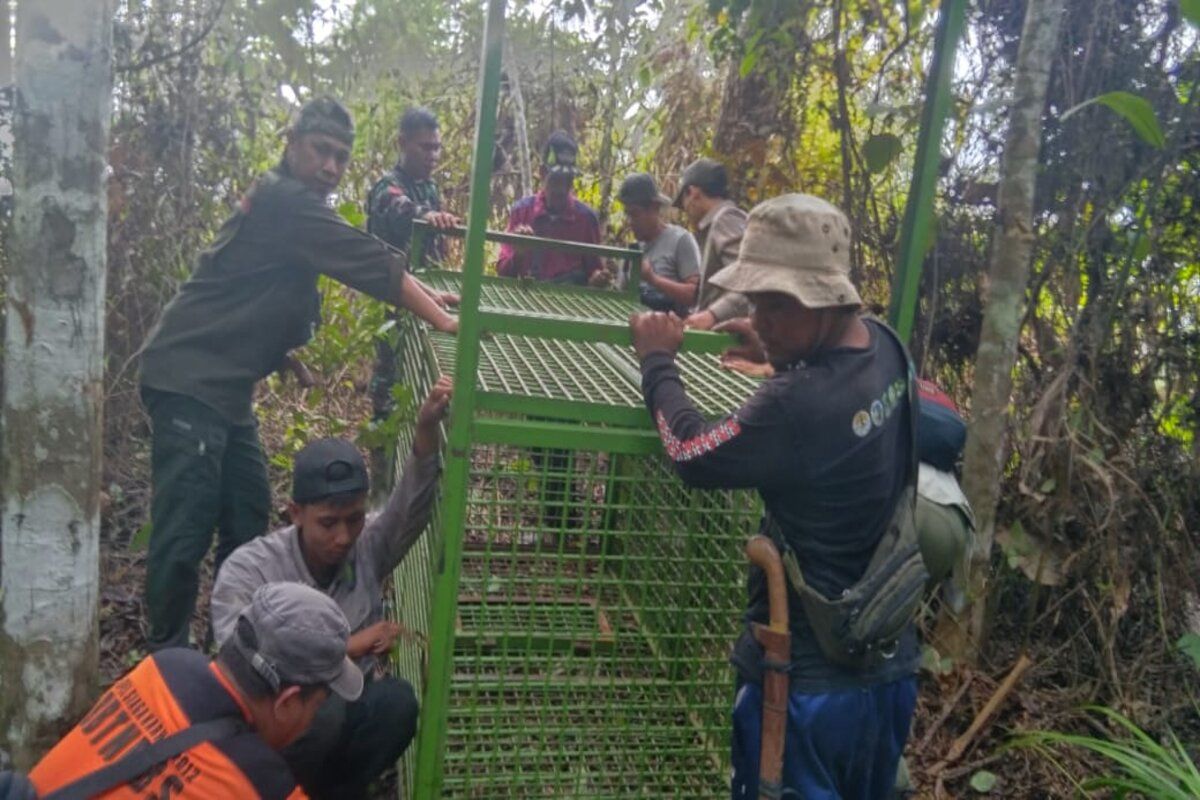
<point>253,295</point>
<point>395,201</point>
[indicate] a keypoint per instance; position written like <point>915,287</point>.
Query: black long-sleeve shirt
<point>826,447</point>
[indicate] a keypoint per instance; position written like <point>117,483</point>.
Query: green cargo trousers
<point>206,474</point>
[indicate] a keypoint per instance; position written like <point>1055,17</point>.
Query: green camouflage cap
<point>325,115</point>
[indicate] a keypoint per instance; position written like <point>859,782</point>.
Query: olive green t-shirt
<point>253,295</point>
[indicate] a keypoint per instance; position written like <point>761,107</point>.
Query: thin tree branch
<point>191,44</point>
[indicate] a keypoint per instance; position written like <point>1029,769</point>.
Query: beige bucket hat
<point>796,244</point>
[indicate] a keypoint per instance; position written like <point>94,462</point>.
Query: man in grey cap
<point>704,197</point>
<point>286,654</point>
<point>828,444</point>
<point>671,259</point>
<point>334,547</point>
<point>251,299</point>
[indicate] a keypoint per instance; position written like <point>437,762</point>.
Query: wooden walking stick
<point>776,640</point>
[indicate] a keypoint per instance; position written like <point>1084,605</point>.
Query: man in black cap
<point>251,299</point>
<point>704,197</point>
<point>671,259</point>
<point>554,213</point>
<point>333,546</point>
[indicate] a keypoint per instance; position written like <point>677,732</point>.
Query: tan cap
<point>796,244</point>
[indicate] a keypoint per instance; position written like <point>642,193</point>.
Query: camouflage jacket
<point>395,201</point>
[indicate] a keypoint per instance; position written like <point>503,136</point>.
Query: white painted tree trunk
<point>1008,276</point>
<point>54,357</point>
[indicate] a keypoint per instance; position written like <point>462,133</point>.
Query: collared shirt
<point>166,693</point>
<point>578,223</point>
<point>395,201</point>
<point>253,295</point>
<point>719,235</point>
<point>357,587</point>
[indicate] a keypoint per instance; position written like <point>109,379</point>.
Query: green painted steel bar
<point>918,213</point>
<point>575,410</point>
<point>539,433</point>
<point>535,242</point>
<point>431,747</point>
<point>526,324</point>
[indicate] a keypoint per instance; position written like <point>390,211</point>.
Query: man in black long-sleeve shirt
<point>825,444</point>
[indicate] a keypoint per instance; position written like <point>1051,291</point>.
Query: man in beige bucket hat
<point>827,443</point>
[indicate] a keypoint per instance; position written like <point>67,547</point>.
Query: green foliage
<point>1141,765</point>
<point>881,150</point>
<point>1136,110</point>
<point>1189,645</point>
<point>983,781</point>
<point>1191,11</point>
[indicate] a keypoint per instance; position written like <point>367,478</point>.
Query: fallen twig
<point>981,719</point>
<point>947,710</point>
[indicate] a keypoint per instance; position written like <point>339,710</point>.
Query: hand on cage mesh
<point>602,278</point>
<point>656,332</point>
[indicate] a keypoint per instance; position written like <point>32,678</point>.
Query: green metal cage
<point>597,597</point>
<point>572,604</point>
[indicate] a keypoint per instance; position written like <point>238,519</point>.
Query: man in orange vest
<point>258,696</point>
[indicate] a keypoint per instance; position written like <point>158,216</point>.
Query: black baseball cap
<point>639,189</point>
<point>325,115</point>
<point>327,467</point>
<point>560,154</point>
<point>710,176</point>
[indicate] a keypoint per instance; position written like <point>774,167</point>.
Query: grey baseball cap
<point>709,175</point>
<point>299,637</point>
<point>327,467</point>
<point>639,189</point>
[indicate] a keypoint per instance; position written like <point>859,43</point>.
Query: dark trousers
<point>206,474</point>
<point>843,745</point>
<point>351,744</point>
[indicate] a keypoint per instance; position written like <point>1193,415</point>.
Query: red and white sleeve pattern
<point>684,450</point>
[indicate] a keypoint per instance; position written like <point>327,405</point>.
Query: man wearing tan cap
<point>827,443</point>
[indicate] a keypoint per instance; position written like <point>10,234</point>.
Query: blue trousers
<point>843,745</point>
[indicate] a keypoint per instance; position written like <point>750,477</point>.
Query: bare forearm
<point>682,293</point>
<point>415,297</point>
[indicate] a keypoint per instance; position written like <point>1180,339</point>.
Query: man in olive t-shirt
<point>252,298</point>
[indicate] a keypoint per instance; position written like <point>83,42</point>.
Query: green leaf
<point>1189,644</point>
<point>1136,110</point>
<point>983,781</point>
<point>1048,486</point>
<point>141,537</point>
<point>350,212</point>
<point>1191,11</point>
<point>881,150</point>
<point>748,62</point>
<point>644,76</point>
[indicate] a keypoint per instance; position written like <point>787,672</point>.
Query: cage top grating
<point>587,372</point>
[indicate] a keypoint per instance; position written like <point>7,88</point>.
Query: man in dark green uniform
<point>252,298</point>
<point>406,193</point>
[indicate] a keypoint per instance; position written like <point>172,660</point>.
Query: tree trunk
<point>754,106</point>
<point>54,346</point>
<point>1008,274</point>
<point>520,124</point>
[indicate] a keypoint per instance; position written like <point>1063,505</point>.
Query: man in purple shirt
<point>553,213</point>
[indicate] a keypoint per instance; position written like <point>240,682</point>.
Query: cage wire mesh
<point>598,596</point>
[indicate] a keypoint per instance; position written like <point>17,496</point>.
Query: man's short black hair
<point>417,119</point>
